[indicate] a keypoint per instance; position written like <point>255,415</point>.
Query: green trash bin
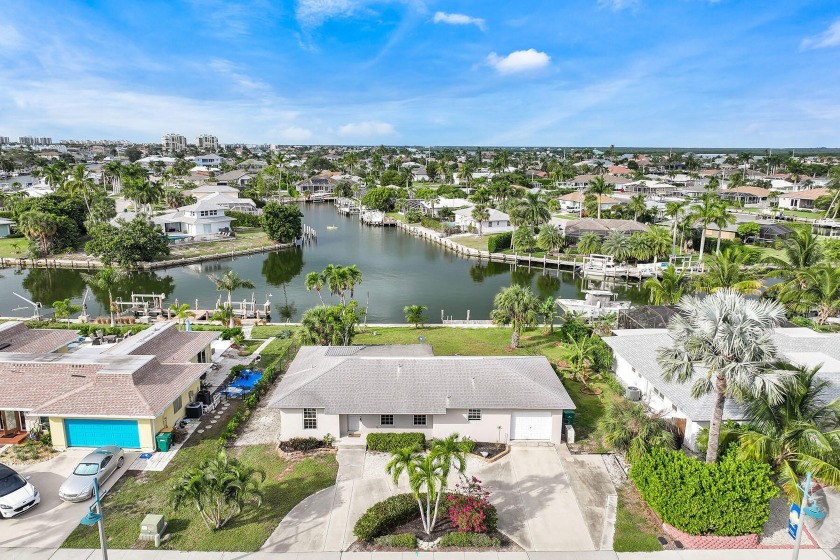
<point>164,441</point>
<point>569,417</point>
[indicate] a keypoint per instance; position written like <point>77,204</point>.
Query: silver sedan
<point>99,464</point>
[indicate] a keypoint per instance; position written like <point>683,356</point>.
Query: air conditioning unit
<point>634,394</point>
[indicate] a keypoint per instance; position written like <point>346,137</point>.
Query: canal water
<point>398,269</point>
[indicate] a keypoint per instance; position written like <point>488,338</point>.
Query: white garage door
<point>532,424</point>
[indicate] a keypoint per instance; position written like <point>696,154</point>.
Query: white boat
<point>332,227</point>
<point>602,266</point>
<point>595,304</point>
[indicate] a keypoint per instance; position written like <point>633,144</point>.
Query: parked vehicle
<point>16,493</point>
<point>99,464</point>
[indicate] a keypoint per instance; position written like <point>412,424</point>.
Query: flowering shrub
<point>470,509</point>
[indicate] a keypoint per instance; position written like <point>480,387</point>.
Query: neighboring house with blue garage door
<point>122,394</point>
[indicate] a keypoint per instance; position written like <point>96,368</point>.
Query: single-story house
<point>207,189</point>
<point>498,221</point>
<point>651,187</point>
<point>573,202</point>
<point>6,227</point>
<point>230,202</point>
<point>575,228</point>
<point>801,199</point>
<point>252,165</point>
<point>419,174</point>
<point>357,390</point>
<point>235,177</point>
<point>746,195</point>
<point>122,394</point>
<point>636,366</point>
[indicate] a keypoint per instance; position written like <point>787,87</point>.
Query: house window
<point>419,419</point>
<point>176,406</point>
<point>310,419</point>
<point>201,358</point>
<point>386,419</point>
<point>474,414</point>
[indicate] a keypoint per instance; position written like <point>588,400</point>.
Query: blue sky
<point>560,73</point>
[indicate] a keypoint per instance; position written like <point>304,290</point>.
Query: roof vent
<point>399,369</point>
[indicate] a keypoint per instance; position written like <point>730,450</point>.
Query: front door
<point>9,422</point>
<point>353,423</point>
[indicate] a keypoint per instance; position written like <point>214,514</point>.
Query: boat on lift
<point>595,304</point>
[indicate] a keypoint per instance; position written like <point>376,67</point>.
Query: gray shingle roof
<point>385,380</point>
<point>799,345</point>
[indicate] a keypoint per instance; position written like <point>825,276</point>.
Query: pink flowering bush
<point>470,510</point>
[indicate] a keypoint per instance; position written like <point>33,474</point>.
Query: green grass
<point>13,247</point>
<point>635,527</point>
<point>589,409</point>
<point>264,332</point>
<point>137,494</point>
<point>473,241</point>
<point>245,239</point>
<point>272,353</point>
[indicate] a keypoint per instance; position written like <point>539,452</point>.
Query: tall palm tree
<point>480,214</point>
<point>230,282</point>
<point>449,451</point>
<point>316,281</point>
<point>113,169</point>
<point>40,226</point>
<point>722,219</point>
<point>819,292</point>
<point>548,310</point>
<point>668,288</point>
<point>637,205</point>
<point>78,183</point>
<point>106,279</point>
<point>729,269</point>
<point>516,306</point>
<point>801,251</point>
<point>532,210</point>
<point>658,241</point>
<point>599,188</point>
<point>704,214</point>
<point>798,435</point>
<point>724,343</point>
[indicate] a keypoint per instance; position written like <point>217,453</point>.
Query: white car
<point>16,493</point>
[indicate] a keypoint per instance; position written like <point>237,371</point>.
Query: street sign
<point>793,520</point>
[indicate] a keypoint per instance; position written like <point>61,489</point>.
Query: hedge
<point>387,515</point>
<point>390,442</point>
<point>305,443</point>
<point>727,498</point>
<point>241,219</point>
<point>499,242</point>
<point>430,223</point>
<point>464,540</point>
<point>403,540</point>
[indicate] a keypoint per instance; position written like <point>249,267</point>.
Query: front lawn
<point>13,247</point>
<point>137,494</point>
<point>636,527</point>
<point>449,341</point>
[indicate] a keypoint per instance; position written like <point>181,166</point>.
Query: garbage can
<point>164,441</point>
<point>569,417</point>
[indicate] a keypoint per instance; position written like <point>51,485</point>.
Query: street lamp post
<point>798,512</point>
<point>96,517</point>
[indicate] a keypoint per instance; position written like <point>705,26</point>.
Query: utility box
<point>570,433</point>
<point>152,528</point>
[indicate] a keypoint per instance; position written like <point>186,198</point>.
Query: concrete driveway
<point>49,523</point>
<point>531,490</point>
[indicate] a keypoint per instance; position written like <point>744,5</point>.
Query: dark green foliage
<point>403,540</point>
<point>241,219</point>
<point>305,443</point>
<point>725,499</point>
<point>128,243</point>
<point>391,177</point>
<point>389,442</point>
<point>282,222</point>
<point>468,540</point>
<point>574,329</point>
<point>56,204</point>
<point>380,198</point>
<point>387,515</point>
<point>228,334</point>
<point>499,242</point>
<point>748,229</point>
<point>66,234</point>
<point>413,216</point>
<point>430,223</point>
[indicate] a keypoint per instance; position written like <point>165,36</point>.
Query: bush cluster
<point>499,242</point>
<point>305,443</point>
<point>413,216</point>
<point>403,540</point>
<point>469,508</point>
<point>430,223</point>
<point>228,334</point>
<point>728,498</point>
<point>386,516</point>
<point>464,540</point>
<point>241,219</point>
<point>390,442</point>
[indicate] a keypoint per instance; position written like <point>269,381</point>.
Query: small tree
<point>414,315</point>
<point>282,222</point>
<point>749,229</point>
<point>181,311</point>
<point>516,306</point>
<point>631,428</point>
<point>548,310</point>
<point>106,279</point>
<point>63,309</point>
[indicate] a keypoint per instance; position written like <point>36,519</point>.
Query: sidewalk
<point>87,554</point>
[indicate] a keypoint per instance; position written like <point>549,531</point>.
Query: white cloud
<point>312,13</point>
<point>366,129</point>
<point>232,76</point>
<point>519,61</point>
<point>828,38</point>
<point>459,19</point>
<point>293,134</point>
<point>617,5</point>
<point>10,38</point>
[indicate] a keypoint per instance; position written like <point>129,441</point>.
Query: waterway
<point>398,270</point>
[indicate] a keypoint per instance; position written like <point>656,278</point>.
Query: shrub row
<point>463,540</point>
<point>413,216</point>
<point>230,333</point>
<point>305,443</point>
<point>390,442</point>
<point>430,223</point>
<point>499,242</point>
<point>86,329</point>
<point>241,219</point>
<point>403,540</point>
<point>727,498</point>
<point>385,516</point>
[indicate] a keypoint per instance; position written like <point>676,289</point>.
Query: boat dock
<point>377,218</point>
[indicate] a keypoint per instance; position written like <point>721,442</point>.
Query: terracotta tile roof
<point>810,194</point>
<point>21,338</point>
<point>758,192</point>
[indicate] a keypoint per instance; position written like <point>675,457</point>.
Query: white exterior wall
<point>487,429</point>
<point>291,424</point>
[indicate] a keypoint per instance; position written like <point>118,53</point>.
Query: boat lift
<point>144,305</point>
<point>36,306</point>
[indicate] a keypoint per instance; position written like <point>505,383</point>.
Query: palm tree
<point>617,245</point>
<point>516,306</point>
<point>78,183</point>
<point>106,279</point>
<point>668,288</point>
<point>113,169</point>
<point>230,282</point>
<point>598,187</point>
<point>589,243</point>
<point>40,226</point>
<point>632,428</point>
<point>722,219</point>
<point>54,174</point>
<point>480,214</point>
<point>580,355</point>
<point>729,269</point>
<point>414,314</point>
<point>798,435</point>
<point>658,241</point>
<point>316,281</point>
<point>182,312</point>
<point>64,309</point>
<point>724,342</point>
<point>801,251</point>
<point>532,210</point>
<point>550,238</point>
<point>449,451</point>
<point>218,488</point>
<point>704,214</point>
<point>548,311</point>
<point>819,292</point>
<point>637,205</point>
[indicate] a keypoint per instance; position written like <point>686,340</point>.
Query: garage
<point>84,432</point>
<point>531,424</point>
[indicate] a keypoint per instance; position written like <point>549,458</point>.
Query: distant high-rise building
<point>207,142</point>
<point>172,142</point>
<point>4,140</point>
<point>35,140</point>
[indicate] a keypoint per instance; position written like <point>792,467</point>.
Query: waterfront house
<point>498,222</point>
<point>252,165</point>
<point>636,366</point>
<point>224,197</point>
<point>572,203</point>
<point>209,160</point>
<point>6,227</point>
<point>236,177</point>
<point>573,229</point>
<point>746,195</point>
<point>205,217</point>
<point>89,396</point>
<point>318,185</point>
<point>357,390</point>
<point>802,200</point>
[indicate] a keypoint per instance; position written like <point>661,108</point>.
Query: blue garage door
<point>96,433</point>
